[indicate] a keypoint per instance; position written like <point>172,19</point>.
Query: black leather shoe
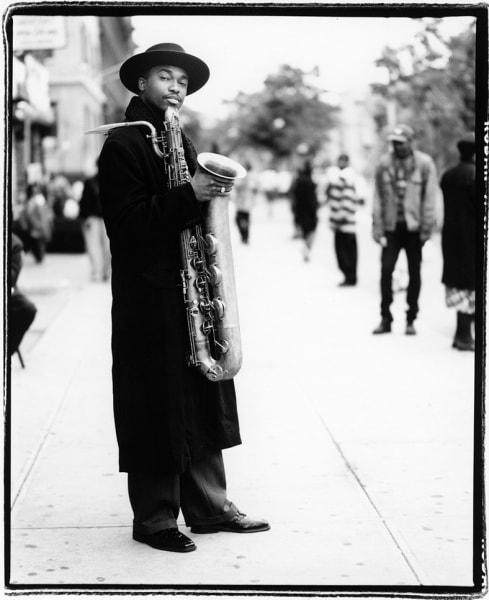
<point>171,540</point>
<point>384,327</point>
<point>240,523</point>
<point>347,283</point>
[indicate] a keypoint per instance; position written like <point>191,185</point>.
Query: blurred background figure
<point>244,196</point>
<point>269,186</point>
<point>58,191</point>
<point>34,224</point>
<point>96,239</point>
<point>458,241</point>
<point>404,216</point>
<point>343,199</point>
<point>305,207</point>
<point>22,311</point>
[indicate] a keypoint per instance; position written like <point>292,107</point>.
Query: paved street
<point>357,448</point>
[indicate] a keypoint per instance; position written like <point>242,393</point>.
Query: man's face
<point>401,149</point>
<point>164,86</point>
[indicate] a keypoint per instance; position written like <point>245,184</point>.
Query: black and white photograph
<point>244,299</point>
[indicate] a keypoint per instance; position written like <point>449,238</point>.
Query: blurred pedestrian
<point>58,192</point>
<point>342,196</point>
<point>171,421</point>
<point>93,227</point>
<point>244,196</point>
<point>305,207</point>
<point>21,311</point>
<point>404,215</point>
<point>38,222</point>
<point>458,241</point>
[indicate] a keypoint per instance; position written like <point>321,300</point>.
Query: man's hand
<point>207,186</point>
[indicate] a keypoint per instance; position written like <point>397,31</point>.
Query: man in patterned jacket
<point>404,215</point>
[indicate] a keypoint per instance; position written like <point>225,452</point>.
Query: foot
<point>240,523</point>
<point>384,327</point>
<point>171,540</point>
<point>410,329</point>
<point>347,283</point>
<point>464,345</point>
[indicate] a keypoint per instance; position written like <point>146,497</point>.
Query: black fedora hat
<point>164,54</point>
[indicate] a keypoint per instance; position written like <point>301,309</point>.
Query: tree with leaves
<point>286,117</point>
<point>431,86</point>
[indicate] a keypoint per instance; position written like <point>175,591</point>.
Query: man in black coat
<point>171,422</point>
<point>458,241</point>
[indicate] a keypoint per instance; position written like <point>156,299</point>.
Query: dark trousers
<point>21,314</point>
<point>200,492</point>
<point>243,223</point>
<point>345,245</point>
<point>398,240</point>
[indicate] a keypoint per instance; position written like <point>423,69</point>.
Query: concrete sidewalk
<point>357,448</point>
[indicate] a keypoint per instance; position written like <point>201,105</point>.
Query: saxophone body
<point>207,272</point>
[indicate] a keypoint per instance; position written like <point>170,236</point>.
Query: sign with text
<point>39,33</point>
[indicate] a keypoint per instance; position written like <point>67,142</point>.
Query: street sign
<point>39,33</point>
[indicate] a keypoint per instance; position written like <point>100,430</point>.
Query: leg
<point>350,257</point>
<point>106,255</point>
<point>20,317</point>
<point>246,227</point>
<point>203,492</point>
<point>339,250</point>
<point>390,254</point>
<point>204,500</point>
<point>413,249</point>
<point>155,499</point>
<point>91,235</point>
<point>463,336</point>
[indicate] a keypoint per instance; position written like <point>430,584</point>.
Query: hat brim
<point>134,67</point>
<point>398,138</point>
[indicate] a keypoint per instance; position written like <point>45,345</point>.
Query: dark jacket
<point>165,412</point>
<point>458,233</point>
<point>305,202</point>
<point>90,205</point>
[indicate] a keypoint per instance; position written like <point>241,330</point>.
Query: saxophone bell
<point>221,167</point>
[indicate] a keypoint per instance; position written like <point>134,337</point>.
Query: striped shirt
<point>343,200</point>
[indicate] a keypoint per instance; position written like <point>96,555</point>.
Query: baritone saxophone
<point>207,272</point>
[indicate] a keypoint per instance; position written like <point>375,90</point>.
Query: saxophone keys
<point>207,327</point>
<point>223,346</point>
<point>214,275</point>
<point>215,373</point>
<point>219,308</point>
<point>211,244</point>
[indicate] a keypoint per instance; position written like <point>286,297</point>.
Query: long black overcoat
<point>459,227</point>
<point>165,412</point>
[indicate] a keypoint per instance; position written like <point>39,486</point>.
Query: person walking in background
<point>404,216</point>
<point>21,311</point>
<point>244,194</point>
<point>458,241</point>
<point>305,207</point>
<point>172,423</point>
<point>343,199</point>
<point>96,239</point>
<point>38,222</point>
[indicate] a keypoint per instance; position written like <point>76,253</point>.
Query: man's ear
<point>141,84</point>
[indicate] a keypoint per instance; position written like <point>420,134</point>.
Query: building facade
<point>64,82</point>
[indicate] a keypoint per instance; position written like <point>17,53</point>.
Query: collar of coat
<point>137,110</point>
